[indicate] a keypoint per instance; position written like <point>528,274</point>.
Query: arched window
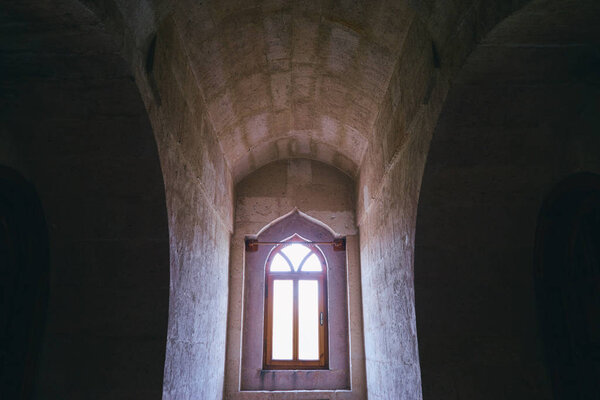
<point>295,333</point>
<point>295,306</point>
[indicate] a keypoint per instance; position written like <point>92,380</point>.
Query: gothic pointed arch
<point>287,253</point>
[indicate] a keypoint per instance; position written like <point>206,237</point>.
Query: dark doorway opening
<point>23,284</point>
<point>567,276</point>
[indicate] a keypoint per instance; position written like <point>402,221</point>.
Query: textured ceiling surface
<point>282,78</point>
<point>287,79</point>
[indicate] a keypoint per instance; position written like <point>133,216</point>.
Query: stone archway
<point>567,277</point>
<point>73,124</point>
<point>23,284</point>
<point>518,119</point>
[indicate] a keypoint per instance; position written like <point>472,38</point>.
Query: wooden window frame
<point>321,277</point>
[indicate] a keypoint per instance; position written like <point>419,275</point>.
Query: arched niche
<point>517,120</point>
<point>24,284</point>
<point>316,202</point>
<point>74,125</point>
<point>567,279</point>
<point>337,376</point>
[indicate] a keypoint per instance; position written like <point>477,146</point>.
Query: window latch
<point>322,318</point>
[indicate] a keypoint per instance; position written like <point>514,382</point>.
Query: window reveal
<point>295,307</point>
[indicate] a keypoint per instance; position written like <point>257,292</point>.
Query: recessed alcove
<point>315,202</point>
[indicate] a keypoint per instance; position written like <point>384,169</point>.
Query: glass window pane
<point>295,252</point>
<point>279,264</point>
<point>283,299</point>
<point>308,320</point>
<point>312,264</point>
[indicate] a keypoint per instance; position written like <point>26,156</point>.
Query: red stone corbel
<point>339,244</point>
<point>251,245</point>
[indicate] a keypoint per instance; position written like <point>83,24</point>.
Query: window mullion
<point>304,260</point>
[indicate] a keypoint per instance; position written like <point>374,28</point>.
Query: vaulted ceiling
<point>286,79</point>
<point>294,79</point>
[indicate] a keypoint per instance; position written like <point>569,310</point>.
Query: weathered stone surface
<point>518,120</point>
<point>199,192</point>
<point>73,123</point>
<point>308,61</point>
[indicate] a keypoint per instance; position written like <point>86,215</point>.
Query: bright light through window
<point>296,321</point>
<point>283,306</point>
<point>308,320</point>
<point>311,264</point>
<point>296,253</point>
<point>279,264</point>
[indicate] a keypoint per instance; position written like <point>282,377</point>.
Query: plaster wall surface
<point>521,117</point>
<point>73,124</point>
<point>321,192</point>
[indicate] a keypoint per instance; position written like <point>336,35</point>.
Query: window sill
<point>266,371</point>
<point>286,380</point>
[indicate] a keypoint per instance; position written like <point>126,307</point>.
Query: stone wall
<point>439,39</point>
<point>519,119</point>
<point>73,124</point>
<point>199,192</point>
<point>198,185</point>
